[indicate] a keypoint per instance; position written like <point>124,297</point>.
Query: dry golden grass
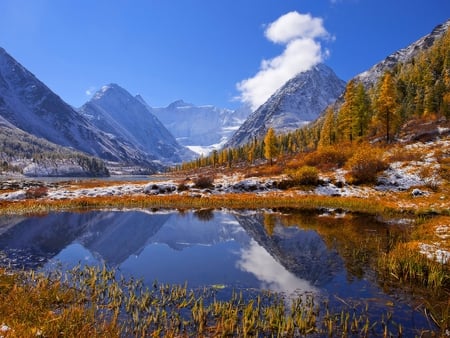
<point>401,154</point>
<point>402,203</point>
<point>44,308</point>
<point>435,230</point>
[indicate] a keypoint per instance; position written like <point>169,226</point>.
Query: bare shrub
<point>182,186</point>
<point>444,162</point>
<point>204,182</point>
<point>402,154</point>
<point>296,162</point>
<point>264,171</point>
<point>36,192</point>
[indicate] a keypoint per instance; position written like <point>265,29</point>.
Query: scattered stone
<point>417,192</point>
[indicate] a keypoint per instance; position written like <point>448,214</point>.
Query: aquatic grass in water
<point>95,302</point>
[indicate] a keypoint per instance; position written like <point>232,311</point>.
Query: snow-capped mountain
<point>116,112</point>
<point>28,104</point>
<point>296,103</point>
<point>371,76</point>
<point>200,128</point>
<point>24,153</point>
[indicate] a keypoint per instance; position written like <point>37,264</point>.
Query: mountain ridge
<point>406,54</point>
<point>30,105</point>
<point>298,102</point>
<point>139,126</point>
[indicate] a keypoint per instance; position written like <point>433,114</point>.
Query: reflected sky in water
<point>202,248</point>
<point>270,273</point>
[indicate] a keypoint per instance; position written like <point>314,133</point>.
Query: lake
<point>325,254</point>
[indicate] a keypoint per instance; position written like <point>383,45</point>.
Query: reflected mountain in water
<point>112,237</point>
<point>30,242</point>
<point>281,261</point>
<point>301,252</point>
<point>183,230</point>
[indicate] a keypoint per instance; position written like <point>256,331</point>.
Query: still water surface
<point>240,250</point>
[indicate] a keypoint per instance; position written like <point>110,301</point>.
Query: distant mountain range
<point>115,127</point>
<point>129,120</point>
<point>201,128</point>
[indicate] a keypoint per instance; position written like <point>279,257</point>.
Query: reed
<point>96,302</point>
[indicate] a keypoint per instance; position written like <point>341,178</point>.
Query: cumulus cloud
<point>300,33</point>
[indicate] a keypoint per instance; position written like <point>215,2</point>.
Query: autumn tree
<point>362,111</point>
<point>345,115</point>
<point>353,116</point>
<point>328,131</point>
<point>386,105</point>
<point>270,145</point>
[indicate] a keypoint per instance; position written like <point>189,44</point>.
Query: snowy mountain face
<point>129,119</point>
<point>371,76</point>
<point>21,152</point>
<point>28,104</point>
<point>296,103</point>
<point>201,128</point>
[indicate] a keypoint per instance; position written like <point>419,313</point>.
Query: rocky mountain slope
<point>295,104</point>
<point>201,128</point>
<point>371,76</point>
<point>24,153</point>
<point>128,119</point>
<point>29,105</point>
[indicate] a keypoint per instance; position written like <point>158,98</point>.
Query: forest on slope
<point>411,94</point>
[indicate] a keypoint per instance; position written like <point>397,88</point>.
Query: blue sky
<point>204,51</point>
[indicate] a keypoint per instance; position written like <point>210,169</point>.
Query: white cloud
<point>294,25</point>
<point>272,275</point>
<point>300,34</point>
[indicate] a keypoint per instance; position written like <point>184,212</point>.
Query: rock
<point>155,189</point>
<point>417,192</point>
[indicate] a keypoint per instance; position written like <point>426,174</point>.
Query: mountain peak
<point>298,102</point>
<point>179,104</point>
<point>115,111</point>
<point>403,55</point>
<point>110,89</point>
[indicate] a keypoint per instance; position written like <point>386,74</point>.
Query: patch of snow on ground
<point>13,196</point>
<point>346,190</point>
<point>443,231</point>
<point>433,252</point>
<point>399,178</point>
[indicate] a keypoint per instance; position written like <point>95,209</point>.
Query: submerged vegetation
<point>96,302</point>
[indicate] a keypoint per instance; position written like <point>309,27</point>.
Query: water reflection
<point>202,247</point>
<point>272,275</point>
<point>286,252</point>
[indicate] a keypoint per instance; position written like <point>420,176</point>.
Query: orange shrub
<point>36,192</point>
<point>366,162</point>
<point>306,175</point>
<point>330,157</point>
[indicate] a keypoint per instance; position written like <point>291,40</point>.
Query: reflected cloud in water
<point>273,276</point>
